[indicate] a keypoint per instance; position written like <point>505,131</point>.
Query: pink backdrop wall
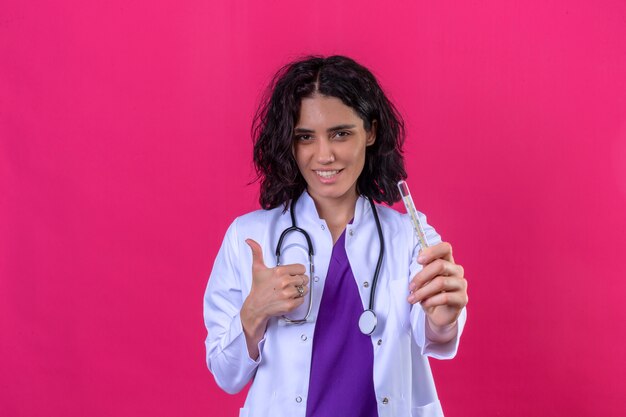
<point>125,153</point>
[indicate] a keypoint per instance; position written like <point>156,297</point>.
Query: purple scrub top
<point>342,363</point>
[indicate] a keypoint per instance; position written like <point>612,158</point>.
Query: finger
<point>433,269</point>
<point>292,291</point>
<point>294,281</point>
<point>302,280</point>
<point>438,285</point>
<point>292,269</point>
<point>305,291</point>
<point>257,254</point>
<point>452,299</point>
<point>442,250</point>
<point>294,303</point>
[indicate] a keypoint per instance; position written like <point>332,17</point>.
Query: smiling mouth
<point>327,174</point>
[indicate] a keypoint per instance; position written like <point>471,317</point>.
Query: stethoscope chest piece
<point>368,322</point>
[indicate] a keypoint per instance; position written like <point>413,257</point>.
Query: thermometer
<point>410,209</point>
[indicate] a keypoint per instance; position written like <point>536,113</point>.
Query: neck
<point>337,212</point>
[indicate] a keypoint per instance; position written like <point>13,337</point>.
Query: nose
<point>325,154</point>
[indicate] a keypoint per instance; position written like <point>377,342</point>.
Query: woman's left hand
<point>440,287</point>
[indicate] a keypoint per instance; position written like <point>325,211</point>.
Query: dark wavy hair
<point>279,111</point>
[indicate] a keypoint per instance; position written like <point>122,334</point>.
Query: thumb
<point>257,254</point>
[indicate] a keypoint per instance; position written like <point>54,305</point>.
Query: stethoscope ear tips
<point>368,322</point>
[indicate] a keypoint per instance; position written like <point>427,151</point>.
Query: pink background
<point>125,153</point>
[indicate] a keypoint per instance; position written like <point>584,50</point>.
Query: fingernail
<point>412,286</point>
<point>421,259</point>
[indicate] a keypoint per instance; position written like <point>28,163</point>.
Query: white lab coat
<point>403,381</point>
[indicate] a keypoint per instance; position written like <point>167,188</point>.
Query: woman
<point>327,144</point>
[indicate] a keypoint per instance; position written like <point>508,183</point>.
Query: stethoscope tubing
<point>295,228</point>
<point>381,254</point>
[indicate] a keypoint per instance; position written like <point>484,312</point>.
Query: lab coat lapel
<point>362,247</point>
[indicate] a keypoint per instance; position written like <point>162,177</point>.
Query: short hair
<point>273,128</point>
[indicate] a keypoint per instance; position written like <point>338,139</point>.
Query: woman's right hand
<point>274,292</point>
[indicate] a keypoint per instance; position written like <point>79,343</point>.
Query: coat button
<point>351,232</point>
<point>316,278</point>
<point>385,400</point>
<point>303,337</point>
<point>323,227</point>
<point>380,342</point>
<point>298,399</point>
<point>366,284</point>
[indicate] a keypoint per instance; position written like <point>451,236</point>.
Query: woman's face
<point>329,148</point>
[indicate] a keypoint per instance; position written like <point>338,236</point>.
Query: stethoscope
<point>368,319</point>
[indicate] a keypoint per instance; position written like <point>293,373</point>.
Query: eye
<point>303,137</point>
<point>342,134</point>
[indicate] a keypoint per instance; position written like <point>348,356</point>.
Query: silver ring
<point>300,289</point>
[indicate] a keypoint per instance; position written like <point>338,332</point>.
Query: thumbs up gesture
<point>275,291</point>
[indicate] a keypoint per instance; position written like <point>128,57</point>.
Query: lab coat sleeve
<point>418,316</point>
<point>226,350</point>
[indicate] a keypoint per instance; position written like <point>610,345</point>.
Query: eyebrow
<point>330,129</point>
